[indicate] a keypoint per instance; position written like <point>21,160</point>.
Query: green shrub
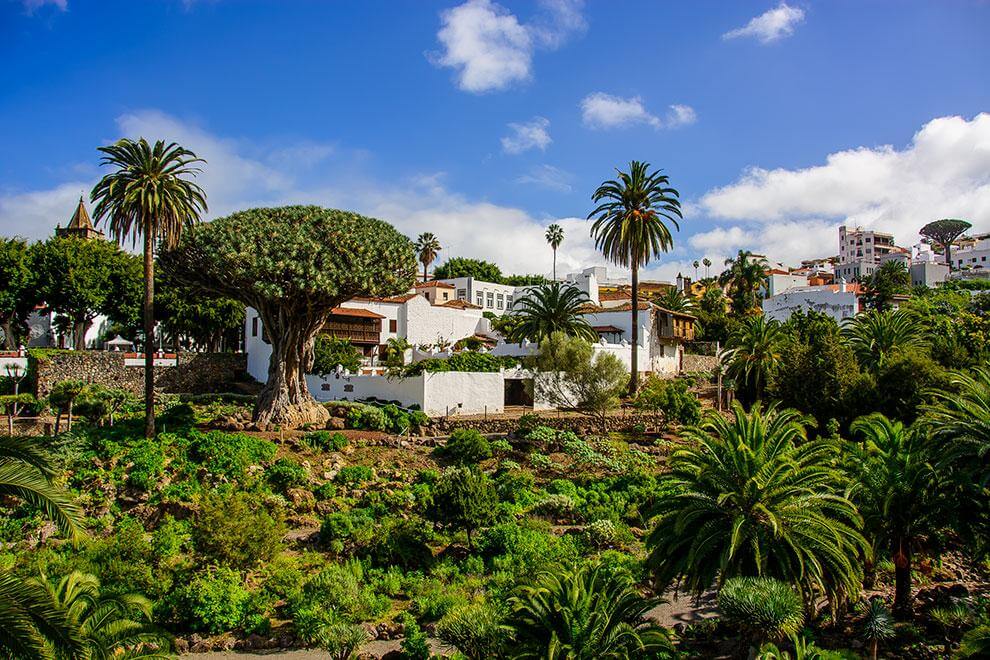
<point>467,447</point>
<point>542,435</point>
<point>285,473</point>
<point>342,640</point>
<point>601,534</point>
<point>354,474</point>
<point>527,422</point>
<point>477,631</point>
<point>401,542</point>
<point>762,609</point>
<point>237,530</point>
<point>325,491</point>
<point>396,420</point>
<point>541,461</point>
<point>414,644</point>
<point>336,593</point>
<point>669,401</point>
<point>325,440</point>
<point>228,455</point>
<point>473,361</point>
<point>526,549</point>
<point>213,601</point>
<point>171,538</point>
<point>501,446</point>
<point>418,419</point>
<point>464,498</point>
<point>367,418</point>
<point>147,464</point>
<point>340,530</point>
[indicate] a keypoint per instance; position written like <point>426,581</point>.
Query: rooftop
<point>434,284</point>
<point>353,312</point>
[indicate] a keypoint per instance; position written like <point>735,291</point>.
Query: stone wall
<point>194,373</point>
<point>579,424</point>
<point>693,363</point>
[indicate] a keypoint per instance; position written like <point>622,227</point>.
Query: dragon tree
<point>943,232</point>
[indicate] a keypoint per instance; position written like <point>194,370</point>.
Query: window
<point>393,325</point>
<point>491,299</point>
<point>254,327</point>
<point>481,299</point>
<point>462,294</point>
<point>501,301</point>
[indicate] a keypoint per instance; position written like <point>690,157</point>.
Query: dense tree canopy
<point>293,264</point>
<point>465,267</point>
<point>18,291</point>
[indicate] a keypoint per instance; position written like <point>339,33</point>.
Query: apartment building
<point>861,251</point>
<point>972,254</point>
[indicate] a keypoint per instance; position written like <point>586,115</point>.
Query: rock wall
<point>579,424</point>
<point>194,373</point>
<point>693,363</point>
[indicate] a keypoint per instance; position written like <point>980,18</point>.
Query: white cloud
<point>490,48</point>
<point>548,176</point>
<point>534,134</point>
<point>943,172</point>
<point>603,111</point>
<point>771,25</point>
<point>31,6</point>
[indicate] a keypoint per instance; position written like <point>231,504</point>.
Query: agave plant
<point>752,497</point>
<point>583,613</point>
<point>874,336</point>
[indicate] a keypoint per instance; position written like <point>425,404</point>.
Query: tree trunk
<point>285,400</point>
<point>8,335</point>
<point>58,420</point>
<point>555,264</point>
<point>634,368</point>
<point>79,329</point>
<point>948,255</point>
<point>874,646</point>
<point>70,415</point>
<point>902,581</point>
<point>425,266</point>
<point>149,332</point>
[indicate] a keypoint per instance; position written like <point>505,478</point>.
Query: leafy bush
<point>285,473</point>
<point>542,435</point>
<point>171,538</point>
<point>325,440</point>
<point>501,446</point>
<point>418,419</point>
<point>367,418</point>
<point>328,352</point>
<point>342,529</point>
<point>477,631</point>
<point>228,455</point>
<point>472,361</point>
<point>342,640</point>
<point>213,601</point>
<point>338,592</point>
<point>601,534</point>
<point>401,542</point>
<point>414,644</point>
<point>467,447</point>
<point>396,420</point>
<point>541,461</point>
<point>354,474</point>
<point>237,530</point>
<point>764,609</point>
<point>147,464</point>
<point>669,401</point>
<point>464,498</point>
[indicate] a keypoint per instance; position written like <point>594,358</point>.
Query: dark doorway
<point>519,392</point>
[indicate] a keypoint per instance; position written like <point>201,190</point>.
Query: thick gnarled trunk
<point>285,400</point>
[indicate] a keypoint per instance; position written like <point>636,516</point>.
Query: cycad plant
<point>150,196</point>
<point>584,613</point>
<point>550,308</point>
<point>109,626</point>
<point>427,246</point>
<point>875,336</point>
<point>631,229</point>
<point>752,355</point>
<point>555,236</point>
<point>752,497</point>
<point>900,493</point>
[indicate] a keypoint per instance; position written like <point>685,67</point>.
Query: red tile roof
<point>606,328</point>
<point>395,300</point>
<point>351,311</point>
<point>460,304</point>
<point>435,284</point>
<point>614,295</point>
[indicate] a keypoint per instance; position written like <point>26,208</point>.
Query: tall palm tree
<point>752,354</point>
<point>744,276</point>
<point>555,236</point>
<point>752,497</point>
<point>109,626</point>
<point>696,264</point>
<point>427,246</point>
<point>900,494</point>
<point>148,196</point>
<point>550,308</point>
<point>630,229</point>
<point>29,623</point>
<point>707,263</point>
<point>874,336</point>
<point>583,613</point>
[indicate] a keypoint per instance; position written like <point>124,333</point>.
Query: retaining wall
<point>694,363</point>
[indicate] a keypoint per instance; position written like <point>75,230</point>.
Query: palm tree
<point>630,230</point>
<point>752,354</point>
<point>427,246</point>
<point>550,308</point>
<point>696,264</point>
<point>584,613</point>
<point>874,336</point>
<point>29,623</point>
<point>900,494</point>
<point>707,263</point>
<point>752,497</point>
<point>744,277</point>
<point>108,625</point>
<point>555,236</point>
<point>675,301</point>
<point>148,196</point>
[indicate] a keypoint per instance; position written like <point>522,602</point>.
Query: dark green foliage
<point>464,498</point>
<point>325,440</point>
<point>464,267</point>
<point>235,529</point>
<point>228,455</point>
<point>669,401</point>
<point>473,361</point>
<point>414,644</point>
<point>354,474</point>
<point>467,447</point>
<point>396,420</point>
<point>477,631</point>
<point>340,592</point>
<point>368,418</point>
<point>212,601</point>
<point>330,352</point>
<point>761,608</point>
<point>285,473</point>
<point>887,281</point>
<point>18,292</point>
<point>399,542</point>
<point>147,460</point>
<point>551,308</point>
<point>905,382</point>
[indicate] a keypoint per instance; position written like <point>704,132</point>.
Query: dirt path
<point>376,648</point>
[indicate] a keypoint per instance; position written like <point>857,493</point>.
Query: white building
<point>839,301</point>
<point>973,255</point>
<point>861,251</point>
<point>779,281</point>
<point>921,266</point>
<point>488,296</point>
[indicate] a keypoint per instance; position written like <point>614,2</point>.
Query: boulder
<point>336,424</point>
<point>301,499</point>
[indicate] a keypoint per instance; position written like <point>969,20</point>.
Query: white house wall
<point>426,323</point>
<point>838,305</point>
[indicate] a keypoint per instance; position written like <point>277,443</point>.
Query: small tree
<point>887,281</point>
<point>485,271</point>
<point>668,401</point>
<point>331,352</point>
<point>571,375</point>
<point>10,404</point>
<point>294,265</point>
<point>62,397</point>
<point>464,498</point>
<point>943,233</point>
<point>18,290</point>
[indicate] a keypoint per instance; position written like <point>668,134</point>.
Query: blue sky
<point>485,121</point>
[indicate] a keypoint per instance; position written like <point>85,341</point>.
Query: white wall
<point>258,352</point>
<point>838,305</point>
<point>426,323</point>
<point>777,283</point>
